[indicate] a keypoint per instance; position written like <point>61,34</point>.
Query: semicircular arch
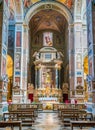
<point>61,8</point>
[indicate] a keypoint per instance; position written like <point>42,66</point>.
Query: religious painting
<point>79,80</point>
<point>17,61</point>
<point>17,81</point>
<point>79,65</point>
<point>18,39</point>
<point>79,61</point>
<point>47,39</point>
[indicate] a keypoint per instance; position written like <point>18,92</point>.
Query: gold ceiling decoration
<point>68,3</point>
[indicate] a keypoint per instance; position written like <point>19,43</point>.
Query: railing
<point>13,107</point>
<point>68,105</point>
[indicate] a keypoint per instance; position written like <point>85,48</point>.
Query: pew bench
<point>82,124</point>
<point>11,124</point>
<point>26,118</point>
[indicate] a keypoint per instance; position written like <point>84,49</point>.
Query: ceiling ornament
<point>28,3</point>
<point>48,19</point>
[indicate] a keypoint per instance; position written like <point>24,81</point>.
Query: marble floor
<point>49,121</point>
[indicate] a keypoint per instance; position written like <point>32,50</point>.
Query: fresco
<point>17,61</point>
<point>79,61</point>
<point>47,39</point>
<point>79,80</point>
<point>17,81</point>
<point>28,3</point>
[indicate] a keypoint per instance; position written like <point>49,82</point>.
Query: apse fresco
<point>28,3</point>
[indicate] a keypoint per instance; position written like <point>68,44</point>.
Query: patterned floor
<point>49,121</point>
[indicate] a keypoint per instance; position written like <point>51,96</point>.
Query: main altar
<point>48,96</point>
<point>47,88</point>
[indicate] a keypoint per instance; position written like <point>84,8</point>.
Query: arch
<point>61,8</point>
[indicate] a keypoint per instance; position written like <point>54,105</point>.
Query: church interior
<point>47,64</point>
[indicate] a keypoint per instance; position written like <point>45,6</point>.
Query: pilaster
<point>71,56</point>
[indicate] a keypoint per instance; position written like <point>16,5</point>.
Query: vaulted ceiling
<point>48,20</point>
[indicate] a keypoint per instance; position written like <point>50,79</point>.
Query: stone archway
<point>62,9</point>
<point>49,5</point>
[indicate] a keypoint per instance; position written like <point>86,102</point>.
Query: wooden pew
<point>68,115</point>
<point>12,124</point>
<point>64,110</point>
<point>82,124</point>
<point>29,109</point>
<point>80,113</point>
<point>27,118</point>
